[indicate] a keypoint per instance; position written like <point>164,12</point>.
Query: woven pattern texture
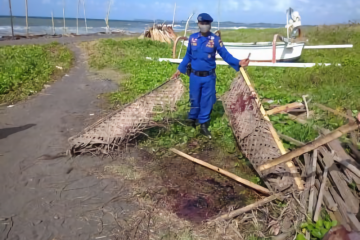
<point>253,134</point>
<point>126,123</point>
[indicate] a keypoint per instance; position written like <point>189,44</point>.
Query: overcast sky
<point>245,11</point>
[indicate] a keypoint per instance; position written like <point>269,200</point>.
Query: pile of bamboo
<point>328,170</point>
<point>161,33</point>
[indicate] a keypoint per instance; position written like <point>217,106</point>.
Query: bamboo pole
<point>11,19</point>
<point>289,163</point>
<point>26,14</point>
<point>186,27</point>
<point>107,18</point>
<point>322,107</point>
<point>174,16</point>
<point>64,17</point>
<point>85,16</point>
<point>291,140</point>
<point>311,146</point>
<point>285,108</point>
<point>53,25</point>
<point>320,197</point>
<point>312,183</point>
<point>250,207</point>
<point>77,18</point>
<point>222,171</point>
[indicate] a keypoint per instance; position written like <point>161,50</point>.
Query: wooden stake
<point>186,27</point>
<point>306,105</point>
<point>11,19</point>
<point>285,108</point>
<point>312,183</point>
<point>311,146</point>
<point>226,173</point>
<point>53,25</point>
<point>26,14</point>
<point>320,197</point>
<point>289,163</point>
<point>322,107</point>
<point>250,207</point>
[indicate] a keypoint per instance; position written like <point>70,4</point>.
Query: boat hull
<point>263,52</point>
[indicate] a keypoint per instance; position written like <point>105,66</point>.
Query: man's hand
<point>244,62</point>
<point>176,74</point>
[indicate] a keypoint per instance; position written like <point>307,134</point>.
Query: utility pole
<point>11,18</point>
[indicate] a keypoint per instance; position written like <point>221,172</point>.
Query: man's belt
<point>203,73</point>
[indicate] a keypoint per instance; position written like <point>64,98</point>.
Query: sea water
<point>41,25</point>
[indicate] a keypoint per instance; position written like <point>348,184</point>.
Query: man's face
<point>204,26</point>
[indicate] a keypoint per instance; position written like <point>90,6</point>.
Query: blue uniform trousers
<point>202,97</point>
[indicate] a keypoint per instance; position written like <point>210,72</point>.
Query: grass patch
<point>25,69</point>
<point>336,87</point>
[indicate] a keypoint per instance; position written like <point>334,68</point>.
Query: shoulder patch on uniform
<point>221,43</point>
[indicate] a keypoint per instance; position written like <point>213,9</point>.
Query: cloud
<point>45,1</point>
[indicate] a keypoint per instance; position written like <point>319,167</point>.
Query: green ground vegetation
<point>25,69</point>
<point>336,87</point>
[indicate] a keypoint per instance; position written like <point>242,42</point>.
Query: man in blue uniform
<point>201,54</point>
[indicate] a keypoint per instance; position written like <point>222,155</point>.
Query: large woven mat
<point>126,123</point>
<point>253,134</point>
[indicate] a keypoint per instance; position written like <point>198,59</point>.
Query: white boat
<point>263,51</point>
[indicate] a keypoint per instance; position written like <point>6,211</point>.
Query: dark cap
<point>204,17</point>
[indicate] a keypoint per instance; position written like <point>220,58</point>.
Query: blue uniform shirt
<point>201,52</point>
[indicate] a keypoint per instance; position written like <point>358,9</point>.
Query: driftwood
<point>311,146</point>
<point>334,171</point>
<point>355,151</point>
<point>161,33</point>
<point>321,195</point>
<point>354,222</point>
<point>226,173</point>
<point>284,108</point>
<point>343,209</point>
<point>348,165</point>
<point>250,207</point>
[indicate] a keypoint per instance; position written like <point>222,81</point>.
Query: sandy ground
<point>56,198</point>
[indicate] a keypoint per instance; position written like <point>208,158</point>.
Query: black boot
<point>204,129</point>
<point>192,122</point>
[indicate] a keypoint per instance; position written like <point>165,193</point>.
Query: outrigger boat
<point>281,49</point>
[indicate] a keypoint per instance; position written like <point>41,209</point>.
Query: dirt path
<point>58,198</point>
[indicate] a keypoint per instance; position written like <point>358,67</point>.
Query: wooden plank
<point>305,194</point>
<point>312,200</point>
<point>355,151</point>
<point>354,222</point>
<point>322,107</point>
<point>343,209</point>
<point>284,108</point>
<point>321,196</point>
<point>344,190</point>
<point>353,136</point>
<point>222,171</point>
<point>328,199</point>
<point>289,163</point>
<point>310,146</point>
